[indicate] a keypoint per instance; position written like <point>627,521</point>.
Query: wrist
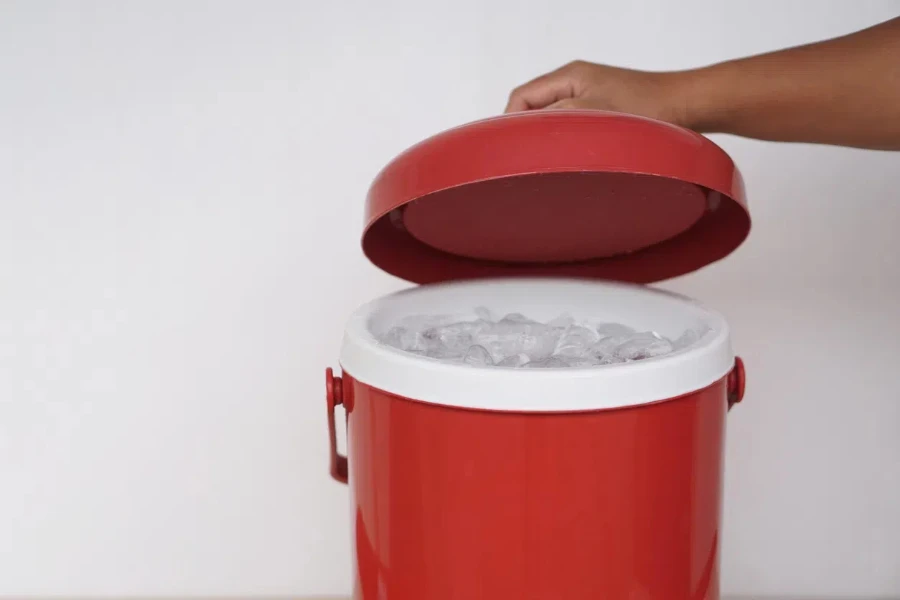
<point>697,99</point>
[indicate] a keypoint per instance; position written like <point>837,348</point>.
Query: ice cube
<point>452,339</point>
<point>606,347</point>
<point>516,318</point>
<point>579,361</point>
<point>516,360</point>
<point>403,338</point>
<point>576,340</point>
<point>484,314</point>
<point>564,320</point>
<point>551,362</point>
<point>643,345</point>
<point>478,356</point>
<point>501,347</point>
<point>614,330</point>
<point>611,360</point>
<point>516,335</point>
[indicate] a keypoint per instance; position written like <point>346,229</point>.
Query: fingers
<point>572,103</point>
<point>543,91</point>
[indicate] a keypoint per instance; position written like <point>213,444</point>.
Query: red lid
<point>569,193</point>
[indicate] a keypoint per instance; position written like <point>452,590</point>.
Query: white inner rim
<point>539,390</point>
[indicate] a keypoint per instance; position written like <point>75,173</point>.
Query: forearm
<point>844,91</point>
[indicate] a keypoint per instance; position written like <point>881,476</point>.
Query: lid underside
<point>555,217</point>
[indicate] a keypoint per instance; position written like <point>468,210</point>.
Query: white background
<point>181,187</point>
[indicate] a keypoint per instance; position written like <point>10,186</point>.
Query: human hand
<point>586,85</point>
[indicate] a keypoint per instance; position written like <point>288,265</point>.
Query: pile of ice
<point>517,341</point>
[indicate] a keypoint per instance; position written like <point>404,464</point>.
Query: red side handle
<point>334,395</point>
<point>736,383</point>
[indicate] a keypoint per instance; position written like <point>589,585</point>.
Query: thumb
<point>542,92</point>
<point>573,103</point>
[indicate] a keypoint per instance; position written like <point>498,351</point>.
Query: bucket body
<point>471,483</point>
<point>451,503</point>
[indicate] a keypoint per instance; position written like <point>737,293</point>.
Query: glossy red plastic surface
<point>463,504</point>
<point>334,397</point>
<point>565,193</point>
<point>737,381</point>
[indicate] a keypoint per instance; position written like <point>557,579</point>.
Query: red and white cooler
<point>487,483</point>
